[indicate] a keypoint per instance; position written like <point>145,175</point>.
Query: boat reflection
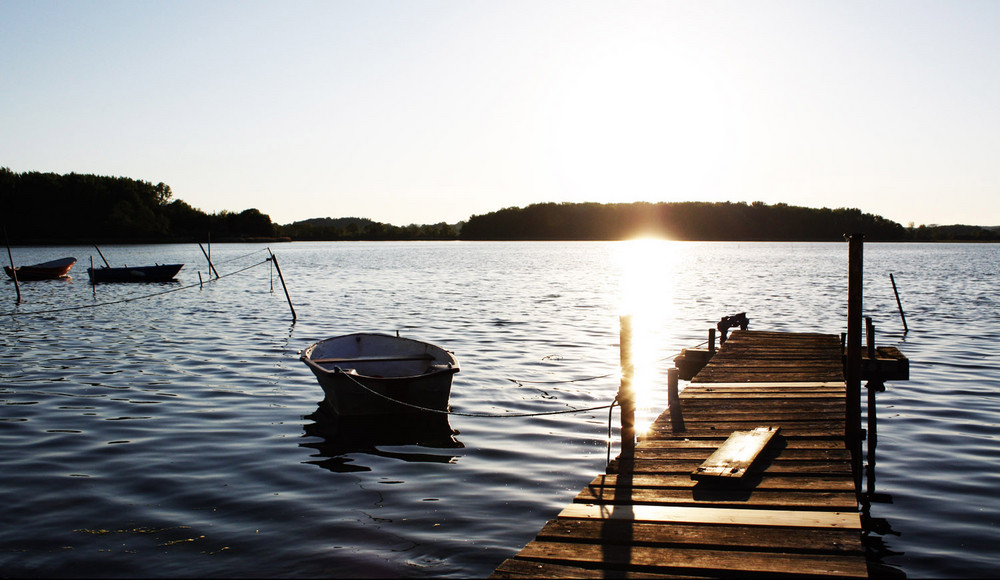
<point>344,438</point>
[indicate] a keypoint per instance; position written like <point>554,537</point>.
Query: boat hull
<point>44,271</point>
<point>376,374</point>
<point>158,273</point>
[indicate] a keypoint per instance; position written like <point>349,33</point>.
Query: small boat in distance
<point>157,273</point>
<point>45,271</point>
<point>379,374</point>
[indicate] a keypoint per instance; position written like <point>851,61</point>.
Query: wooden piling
<point>852,407</point>
<point>674,402</point>
<point>626,394</point>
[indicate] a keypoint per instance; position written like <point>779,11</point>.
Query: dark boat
<point>157,273</point>
<point>378,374</point>
<point>45,271</point>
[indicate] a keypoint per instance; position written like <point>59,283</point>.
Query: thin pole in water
<point>898,303</point>
<point>13,271</point>
<point>274,260</point>
<point>102,256</point>
<point>211,267</point>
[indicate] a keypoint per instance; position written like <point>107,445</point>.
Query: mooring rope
<point>133,298</point>
<point>523,382</point>
<point>243,256</point>
<point>480,415</point>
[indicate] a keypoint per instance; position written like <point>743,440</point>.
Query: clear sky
<point>422,111</point>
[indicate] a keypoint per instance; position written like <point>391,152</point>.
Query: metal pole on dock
<point>626,395</point>
<point>852,429</point>
<point>274,260</point>
<point>898,303</point>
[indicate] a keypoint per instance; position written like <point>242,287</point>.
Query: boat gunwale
<point>451,362</point>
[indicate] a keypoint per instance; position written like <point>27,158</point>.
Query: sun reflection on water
<point>646,294</point>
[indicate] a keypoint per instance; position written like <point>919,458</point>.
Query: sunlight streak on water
<point>646,295</point>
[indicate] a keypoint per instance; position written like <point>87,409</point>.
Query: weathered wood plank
<point>758,537</point>
<point>682,442</point>
<point>710,515</point>
<point>722,498</point>
<point>693,560</point>
<point>702,454</point>
<point>765,482</point>
<point>736,456</point>
<point>677,466</point>
<point>516,568</point>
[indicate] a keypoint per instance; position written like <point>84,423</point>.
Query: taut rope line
<point>134,298</point>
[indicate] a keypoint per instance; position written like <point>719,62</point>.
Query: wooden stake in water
<point>13,271</point>
<point>626,394</point>
<point>102,256</point>
<point>274,260</point>
<point>207,257</point>
<point>898,303</point>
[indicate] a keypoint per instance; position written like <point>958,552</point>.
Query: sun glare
<point>646,295</point>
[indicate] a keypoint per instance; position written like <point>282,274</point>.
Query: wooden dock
<point>795,513</point>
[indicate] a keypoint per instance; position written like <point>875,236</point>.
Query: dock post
<point>852,426</point>
<point>626,394</point>
<point>674,402</point>
<point>711,342</point>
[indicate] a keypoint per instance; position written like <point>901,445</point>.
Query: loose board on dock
<point>733,459</point>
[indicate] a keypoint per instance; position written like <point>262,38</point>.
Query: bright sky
<point>422,111</point>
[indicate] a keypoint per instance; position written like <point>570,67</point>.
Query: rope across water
<point>133,298</point>
<point>481,415</point>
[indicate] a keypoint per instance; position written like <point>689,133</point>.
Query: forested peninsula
<point>48,208</point>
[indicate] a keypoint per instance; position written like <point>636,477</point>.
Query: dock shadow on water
<point>342,439</point>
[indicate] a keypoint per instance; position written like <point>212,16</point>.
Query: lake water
<point>179,435</point>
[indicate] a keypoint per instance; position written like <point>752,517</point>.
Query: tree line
<point>680,221</point>
<point>81,208</point>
